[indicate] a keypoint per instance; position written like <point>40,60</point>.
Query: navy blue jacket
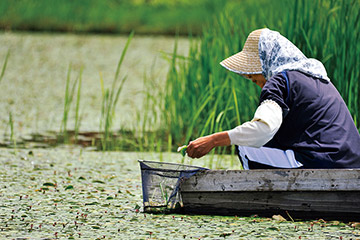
<point>317,124</point>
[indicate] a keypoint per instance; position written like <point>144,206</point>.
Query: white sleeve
<point>261,129</point>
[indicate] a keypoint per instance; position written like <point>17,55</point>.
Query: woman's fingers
<point>203,145</point>
<point>199,147</point>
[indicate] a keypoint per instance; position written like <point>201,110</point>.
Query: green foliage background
<point>201,97</point>
<point>108,16</point>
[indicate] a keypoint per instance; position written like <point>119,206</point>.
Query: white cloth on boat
<point>268,156</point>
<point>261,129</point>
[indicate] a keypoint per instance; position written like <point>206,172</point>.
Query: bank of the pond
<point>33,86</point>
<point>75,194</point>
<point>143,16</point>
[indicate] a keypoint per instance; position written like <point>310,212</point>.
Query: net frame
<point>161,182</point>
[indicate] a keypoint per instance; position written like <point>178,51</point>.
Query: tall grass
<point>77,107</point>
<point>330,31</point>
<point>4,65</point>
<point>201,97</point>
<point>12,135</point>
<point>10,120</point>
<point>110,16</point>
<point>110,99</point>
<point>68,99</point>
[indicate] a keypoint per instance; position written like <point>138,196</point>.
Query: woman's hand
<point>200,147</point>
<point>203,145</point>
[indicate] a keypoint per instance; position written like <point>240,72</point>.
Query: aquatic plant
<point>4,65</point>
<point>182,150</point>
<point>144,129</point>
<point>110,99</point>
<point>37,202</point>
<point>68,98</point>
<point>329,31</point>
<point>77,107</point>
<point>12,135</point>
<point>201,97</point>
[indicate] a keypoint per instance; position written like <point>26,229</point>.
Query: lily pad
<point>98,181</point>
<point>49,184</point>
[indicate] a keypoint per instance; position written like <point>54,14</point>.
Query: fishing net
<point>161,182</point>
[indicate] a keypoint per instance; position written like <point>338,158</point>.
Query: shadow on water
<point>122,140</point>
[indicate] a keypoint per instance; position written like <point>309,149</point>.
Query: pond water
<point>33,86</point>
<point>72,193</point>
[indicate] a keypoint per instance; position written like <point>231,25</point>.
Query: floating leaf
<point>98,181</point>
<point>278,218</point>
<point>273,228</point>
<point>49,184</point>
<point>356,225</point>
<point>69,187</point>
<point>224,235</point>
<point>127,191</point>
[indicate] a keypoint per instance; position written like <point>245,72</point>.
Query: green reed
<point>147,117</point>
<point>4,65</point>
<point>77,107</point>
<point>70,89</point>
<point>110,99</point>
<point>67,101</point>
<point>12,135</point>
<point>201,97</point>
<point>329,31</point>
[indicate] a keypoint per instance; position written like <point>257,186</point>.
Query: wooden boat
<point>294,193</point>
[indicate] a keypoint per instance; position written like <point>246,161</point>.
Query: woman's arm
<point>266,122</point>
<point>261,129</point>
<point>203,145</point>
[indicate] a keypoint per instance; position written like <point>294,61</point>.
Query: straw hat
<point>247,61</point>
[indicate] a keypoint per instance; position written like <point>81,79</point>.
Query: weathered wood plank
<point>291,201</point>
<point>274,180</point>
<point>333,205</point>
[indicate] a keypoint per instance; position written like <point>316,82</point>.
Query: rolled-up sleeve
<point>261,129</point>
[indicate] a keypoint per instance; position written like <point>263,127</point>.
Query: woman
<point>301,121</point>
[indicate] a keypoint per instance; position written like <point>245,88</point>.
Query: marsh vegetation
<point>109,100</point>
<point>63,194</point>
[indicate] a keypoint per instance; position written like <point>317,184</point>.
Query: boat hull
<point>296,193</point>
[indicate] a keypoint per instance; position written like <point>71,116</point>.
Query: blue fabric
<point>316,125</point>
<point>287,86</point>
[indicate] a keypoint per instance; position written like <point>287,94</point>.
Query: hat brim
<point>243,63</point>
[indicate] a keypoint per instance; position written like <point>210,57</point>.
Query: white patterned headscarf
<point>278,54</point>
